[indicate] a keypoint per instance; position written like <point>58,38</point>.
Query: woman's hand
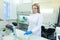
<point>28,32</point>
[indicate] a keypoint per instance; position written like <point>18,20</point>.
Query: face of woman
<point>34,9</point>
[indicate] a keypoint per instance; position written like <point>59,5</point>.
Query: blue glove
<point>28,32</point>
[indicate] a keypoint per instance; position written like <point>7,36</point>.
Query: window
<point>6,9</point>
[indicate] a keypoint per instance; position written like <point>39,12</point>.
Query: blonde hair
<point>38,8</point>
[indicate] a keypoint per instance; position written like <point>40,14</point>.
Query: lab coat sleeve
<point>39,24</point>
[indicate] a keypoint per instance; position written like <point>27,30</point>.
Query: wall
<point>50,18</point>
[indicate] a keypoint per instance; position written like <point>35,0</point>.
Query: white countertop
<point>21,36</point>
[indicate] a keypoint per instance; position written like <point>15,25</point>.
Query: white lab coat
<point>35,22</point>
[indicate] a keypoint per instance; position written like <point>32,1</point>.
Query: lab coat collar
<point>35,13</point>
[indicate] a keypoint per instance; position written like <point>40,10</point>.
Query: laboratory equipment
<point>22,18</point>
<point>9,29</point>
<point>3,33</point>
<point>57,33</point>
<point>12,28</point>
<point>14,23</point>
<point>22,22</point>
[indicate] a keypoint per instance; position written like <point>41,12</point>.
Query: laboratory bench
<point>21,36</point>
<point>23,27</point>
<point>47,31</point>
<point>19,33</point>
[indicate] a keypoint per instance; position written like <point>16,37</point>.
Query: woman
<point>35,21</point>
